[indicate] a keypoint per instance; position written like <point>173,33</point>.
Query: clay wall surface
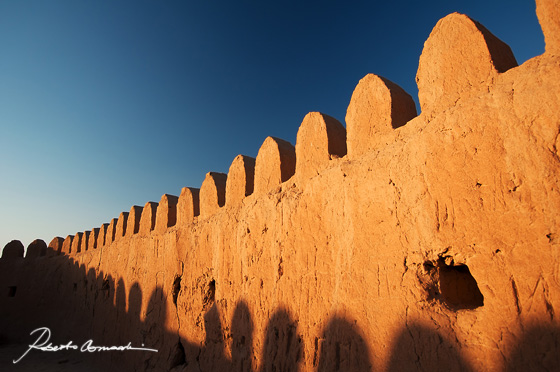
<point>434,245</point>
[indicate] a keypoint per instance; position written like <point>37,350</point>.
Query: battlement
<point>377,108</point>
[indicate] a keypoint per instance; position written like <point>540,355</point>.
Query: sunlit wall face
<point>108,105</point>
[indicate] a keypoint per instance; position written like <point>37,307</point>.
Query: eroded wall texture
<point>399,242</point>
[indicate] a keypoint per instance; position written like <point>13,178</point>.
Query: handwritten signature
<point>45,335</point>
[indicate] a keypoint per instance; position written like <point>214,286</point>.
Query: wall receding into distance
<point>105,105</point>
<point>399,242</point>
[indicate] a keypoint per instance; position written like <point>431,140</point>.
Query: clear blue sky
<point>109,104</point>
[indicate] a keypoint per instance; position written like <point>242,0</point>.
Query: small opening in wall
<point>451,284</point>
<point>458,288</point>
<point>75,287</point>
<point>12,291</point>
<point>176,288</point>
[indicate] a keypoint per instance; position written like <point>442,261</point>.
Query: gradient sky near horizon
<point>109,104</point>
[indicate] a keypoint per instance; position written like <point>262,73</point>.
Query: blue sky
<point>109,104</point>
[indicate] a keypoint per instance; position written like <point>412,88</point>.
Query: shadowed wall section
<point>242,328</point>
<point>36,248</point>
<point>419,348</point>
<point>13,249</point>
<point>342,348</point>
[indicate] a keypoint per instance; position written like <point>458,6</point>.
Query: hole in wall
<point>75,288</point>
<point>459,288</point>
<point>454,286</point>
<point>12,291</point>
<point>176,288</point>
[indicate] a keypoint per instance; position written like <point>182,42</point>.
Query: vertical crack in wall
<point>176,288</point>
<point>549,307</point>
<point>316,352</point>
<point>179,357</point>
<point>515,296</point>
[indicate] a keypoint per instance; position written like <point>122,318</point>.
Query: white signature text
<point>42,343</point>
